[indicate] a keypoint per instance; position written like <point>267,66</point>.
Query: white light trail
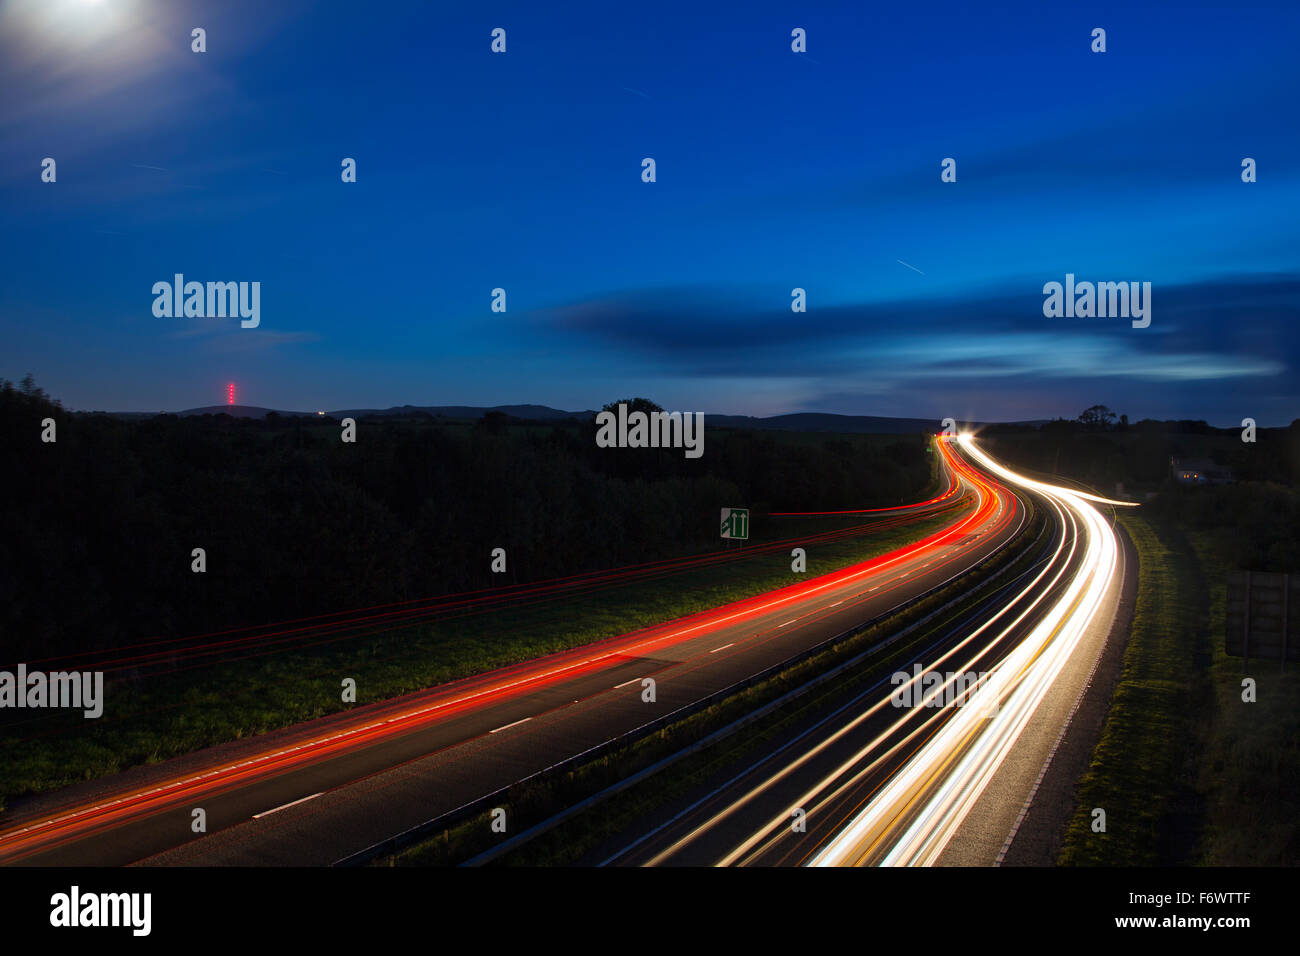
<point>948,774</point>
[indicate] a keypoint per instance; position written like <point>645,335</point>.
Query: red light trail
<point>315,743</point>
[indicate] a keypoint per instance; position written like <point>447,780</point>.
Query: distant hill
<point>797,421</point>
<point>526,412</point>
<point>827,422</point>
<point>236,411</point>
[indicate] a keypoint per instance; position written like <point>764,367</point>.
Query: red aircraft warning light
<point>230,393</point>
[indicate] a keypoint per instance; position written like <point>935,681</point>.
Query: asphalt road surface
<point>884,778</point>
<point>316,793</point>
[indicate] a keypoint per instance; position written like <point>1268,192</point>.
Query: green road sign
<point>735,523</point>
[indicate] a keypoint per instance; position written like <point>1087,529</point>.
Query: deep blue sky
<point>775,170</point>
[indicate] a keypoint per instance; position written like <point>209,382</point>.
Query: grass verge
<point>1249,754</point>
<point>151,720</point>
<point>1187,773</point>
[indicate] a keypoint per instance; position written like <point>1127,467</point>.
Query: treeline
<point>1138,455</point>
<point>1255,519</point>
<point>99,526</point>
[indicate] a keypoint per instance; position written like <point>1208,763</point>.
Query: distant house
<point>1199,471</point>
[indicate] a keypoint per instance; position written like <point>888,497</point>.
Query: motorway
<point>884,779</point>
<point>319,792</point>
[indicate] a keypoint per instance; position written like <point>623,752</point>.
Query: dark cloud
<point>1211,347</point>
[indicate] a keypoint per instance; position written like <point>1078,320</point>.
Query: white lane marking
<point>791,621</point>
<point>175,786</point>
<point>837,604</point>
<point>723,647</point>
<point>267,813</point>
<point>626,682</point>
<point>508,726</point>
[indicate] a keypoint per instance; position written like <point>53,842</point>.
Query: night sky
<point>775,169</point>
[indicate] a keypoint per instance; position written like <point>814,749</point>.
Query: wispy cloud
<point>225,335</point>
<point>1204,336</point>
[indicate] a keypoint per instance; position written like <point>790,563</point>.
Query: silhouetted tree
<point>633,405</point>
<point>1098,417</point>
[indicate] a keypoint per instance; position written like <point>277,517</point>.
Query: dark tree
<point>633,405</point>
<point>1098,417</point>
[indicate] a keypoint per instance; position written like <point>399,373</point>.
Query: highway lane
<point>881,784</point>
<point>947,776</point>
<point>368,774</point>
<point>831,764</point>
<point>1019,816</point>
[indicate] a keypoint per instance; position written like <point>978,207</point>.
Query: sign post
<point>735,523</point>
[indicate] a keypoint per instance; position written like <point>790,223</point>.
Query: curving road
<point>888,779</point>
<point>317,793</point>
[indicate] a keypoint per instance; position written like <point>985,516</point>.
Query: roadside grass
<point>1143,768</point>
<point>154,719</point>
<point>1187,772</point>
<point>1250,753</point>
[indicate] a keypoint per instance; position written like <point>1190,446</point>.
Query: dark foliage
<point>99,526</point>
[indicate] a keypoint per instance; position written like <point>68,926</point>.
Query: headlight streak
<point>952,769</point>
<point>776,826</point>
